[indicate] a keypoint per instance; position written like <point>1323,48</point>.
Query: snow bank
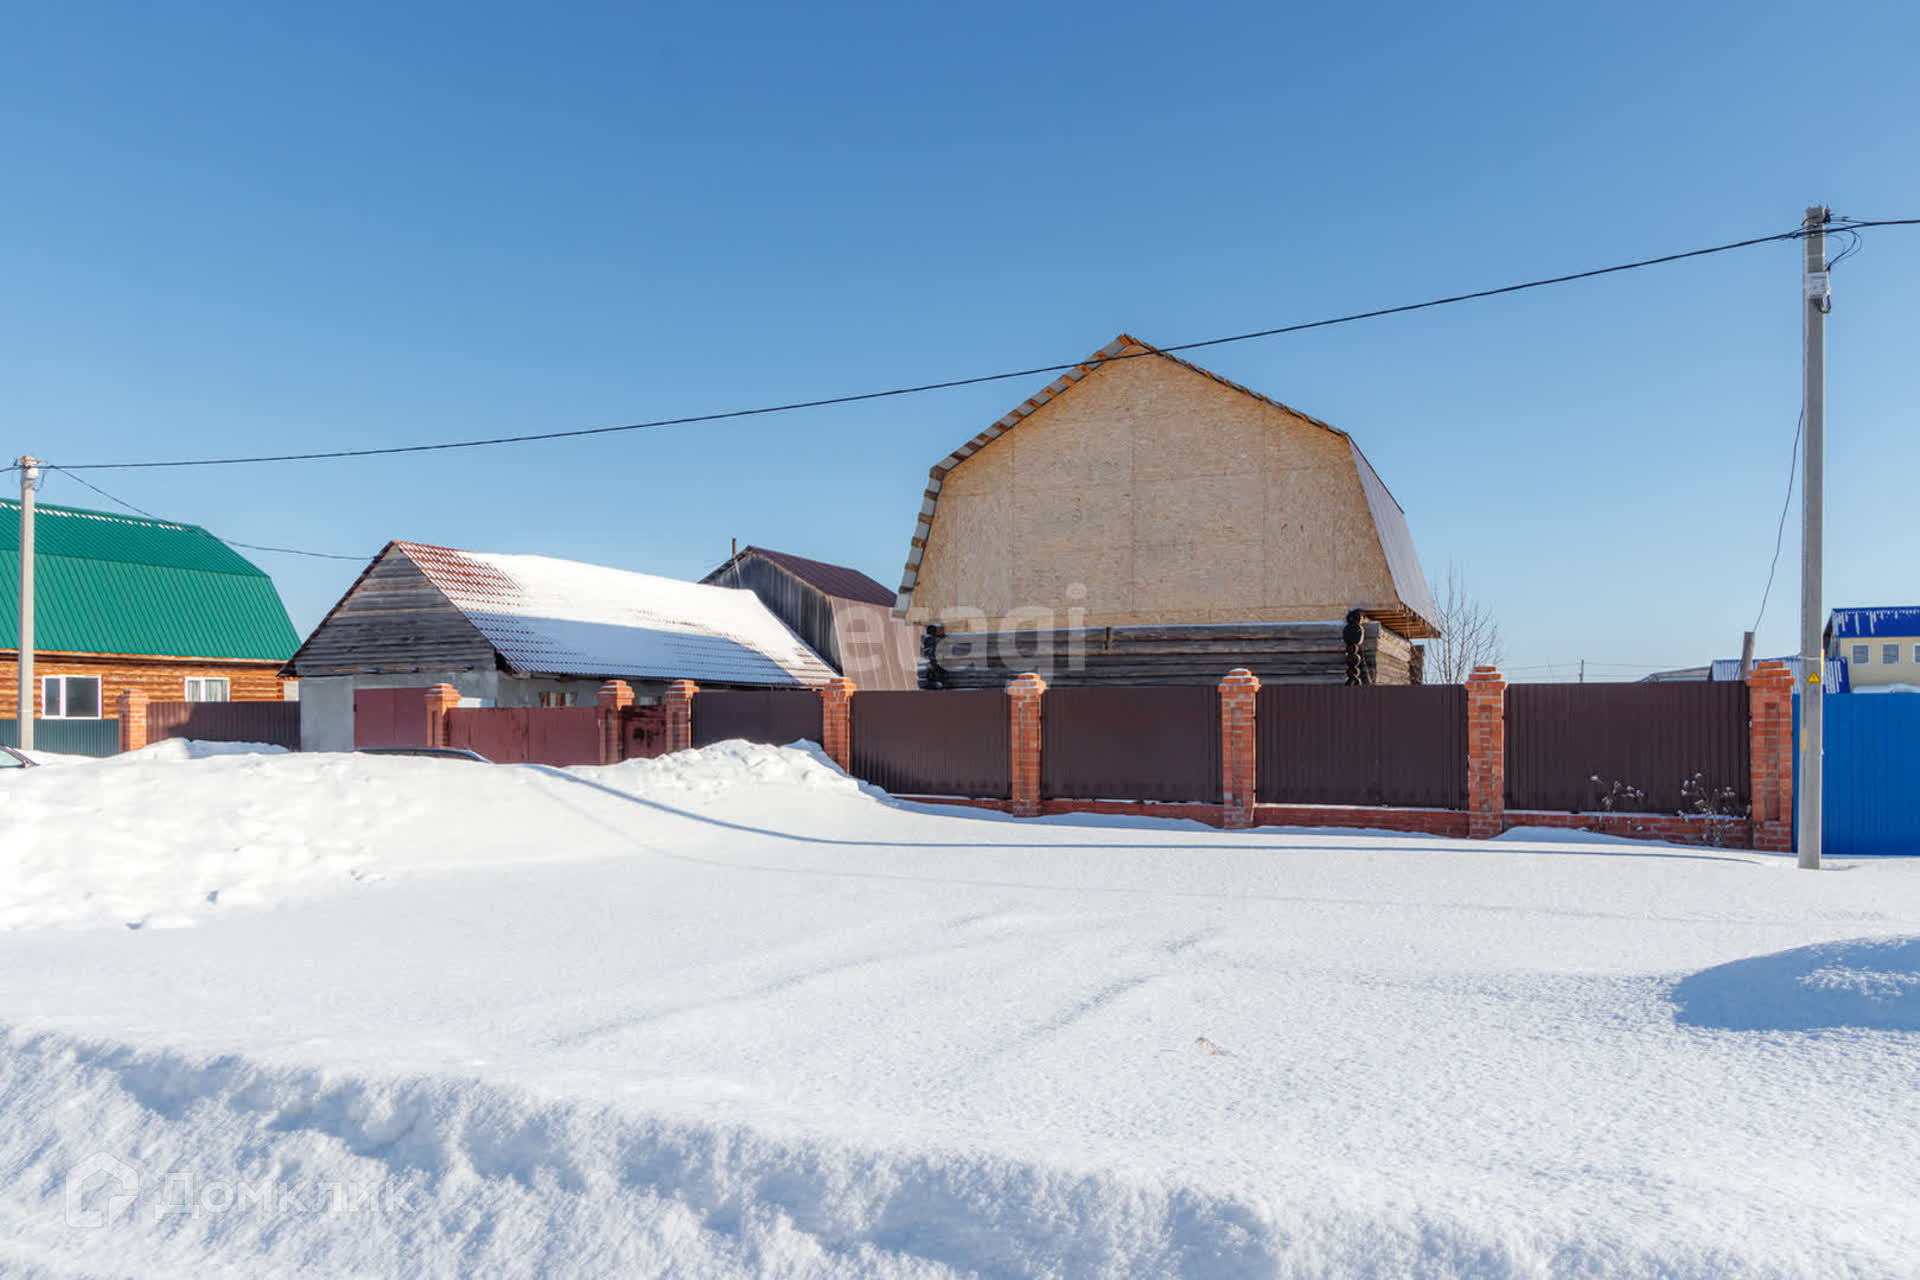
<point>1871,983</point>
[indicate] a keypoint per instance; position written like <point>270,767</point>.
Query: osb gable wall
<point>1152,494</point>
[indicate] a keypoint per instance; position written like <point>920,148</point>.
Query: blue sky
<point>242,228</point>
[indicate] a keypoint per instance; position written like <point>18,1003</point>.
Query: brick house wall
<point>162,679</point>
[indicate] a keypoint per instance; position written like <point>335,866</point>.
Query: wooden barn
<point>1144,521</point>
<point>842,614</point>
<point>525,631</point>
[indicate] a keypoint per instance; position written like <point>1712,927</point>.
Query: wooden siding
<point>160,678</point>
<point>393,619</point>
<point>1287,653</point>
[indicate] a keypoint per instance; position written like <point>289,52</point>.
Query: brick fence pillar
<point>680,715</point>
<point>1023,706</point>
<point>615,696</point>
<point>1770,751</point>
<point>1486,753</point>
<point>1237,700</point>
<point>441,699</point>
<point>836,720</point>
<point>133,719</point>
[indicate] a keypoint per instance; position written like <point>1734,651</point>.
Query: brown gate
<point>772,716</point>
<point>1362,745</point>
<point>277,723</point>
<point>1568,744</point>
<point>643,732</point>
<point>390,718</point>
<point>934,744</point>
<point>527,735</point>
<point>1131,744</point>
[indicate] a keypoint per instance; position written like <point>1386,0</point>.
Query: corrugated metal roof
<point>1415,616</point>
<point>1866,623</point>
<point>561,617</point>
<point>108,583</point>
<point>828,579</point>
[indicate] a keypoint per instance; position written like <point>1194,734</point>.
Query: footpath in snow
<point>730,1013</point>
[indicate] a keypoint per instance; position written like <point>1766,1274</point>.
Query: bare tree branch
<point>1470,633</point>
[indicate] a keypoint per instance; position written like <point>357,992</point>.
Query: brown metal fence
<point>934,744</point>
<point>277,723</point>
<point>1568,744</point>
<point>528,735</point>
<point>1131,744</point>
<point>1367,745</point>
<point>776,716</point>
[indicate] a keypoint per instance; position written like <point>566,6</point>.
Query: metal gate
<point>390,718</point>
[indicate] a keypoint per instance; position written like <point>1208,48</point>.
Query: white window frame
<point>1862,655</point>
<point>195,688</point>
<point>1916,653</point>
<point>46,701</point>
<point>1890,655</point>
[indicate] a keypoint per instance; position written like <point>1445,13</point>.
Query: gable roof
<point>828,579</point>
<point>1414,619</point>
<point>116,584</point>
<point>562,617</point>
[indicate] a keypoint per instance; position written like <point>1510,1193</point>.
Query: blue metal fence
<point>1871,798</point>
<point>67,737</point>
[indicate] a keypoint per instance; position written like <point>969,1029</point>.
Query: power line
<point>251,546</point>
<point>1786,504</point>
<point>792,406</point>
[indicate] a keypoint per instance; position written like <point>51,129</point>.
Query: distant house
<point>843,615</point>
<point>124,602</point>
<point>525,631</point>
<point>1880,646</point>
<point>1144,521</point>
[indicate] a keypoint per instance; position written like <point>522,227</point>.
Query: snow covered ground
<point>729,1013</point>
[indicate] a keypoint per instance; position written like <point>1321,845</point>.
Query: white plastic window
<point>1862,654</point>
<point>70,698</point>
<point>206,688</point>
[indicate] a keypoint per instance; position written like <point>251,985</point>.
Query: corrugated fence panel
<point>67,737</point>
<point>1397,745</point>
<point>934,744</point>
<point>1567,744</point>
<point>1131,744</point>
<point>1869,803</point>
<point>776,716</point>
<point>277,723</point>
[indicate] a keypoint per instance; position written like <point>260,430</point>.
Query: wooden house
<point>525,631</point>
<point>125,602</point>
<point>1144,521</point>
<point>842,614</point>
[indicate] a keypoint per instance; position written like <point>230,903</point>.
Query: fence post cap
<point>1027,682</point>
<point>839,686</point>
<point>134,697</point>
<point>682,688</point>
<point>1484,674</point>
<point>1239,678</point>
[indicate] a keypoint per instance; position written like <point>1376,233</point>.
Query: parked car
<point>13,759</point>
<point>445,753</point>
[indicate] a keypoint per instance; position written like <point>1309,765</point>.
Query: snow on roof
<point>566,618</point>
<point>1850,624</point>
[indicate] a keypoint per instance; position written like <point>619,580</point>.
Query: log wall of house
<point>1283,653</point>
<point>807,611</point>
<point>393,619</point>
<point>162,678</point>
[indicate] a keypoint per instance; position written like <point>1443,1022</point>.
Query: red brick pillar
<point>1237,700</point>
<point>133,719</point>
<point>615,696</point>
<point>1023,704</point>
<point>836,720</point>
<point>441,699</point>
<point>1770,743</point>
<point>680,715</point>
<point>1486,753</point>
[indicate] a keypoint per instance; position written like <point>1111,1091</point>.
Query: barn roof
<point>1866,623</point>
<point>828,579</point>
<point>1414,619</point>
<point>561,617</point>
<point>117,584</point>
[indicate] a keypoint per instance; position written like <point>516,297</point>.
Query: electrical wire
<point>251,546</point>
<point>791,406</point>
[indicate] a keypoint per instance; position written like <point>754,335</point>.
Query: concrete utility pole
<point>1812,493</point>
<point>29,477</point>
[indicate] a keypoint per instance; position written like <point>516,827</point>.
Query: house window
<point>206,688</point>
<point>70,697</point>
<point>1916,653</point>
<point>553,698</point>
<point>1890,654</point>
<point>1862,654</point>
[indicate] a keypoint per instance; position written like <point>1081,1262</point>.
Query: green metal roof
<point>107,583</point>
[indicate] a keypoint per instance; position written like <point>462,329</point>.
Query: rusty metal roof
<point>828,579</point>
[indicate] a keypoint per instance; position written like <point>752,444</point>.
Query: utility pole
<point>29,477</point>
<point>1812,494</point>
<point>1746,656</point>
